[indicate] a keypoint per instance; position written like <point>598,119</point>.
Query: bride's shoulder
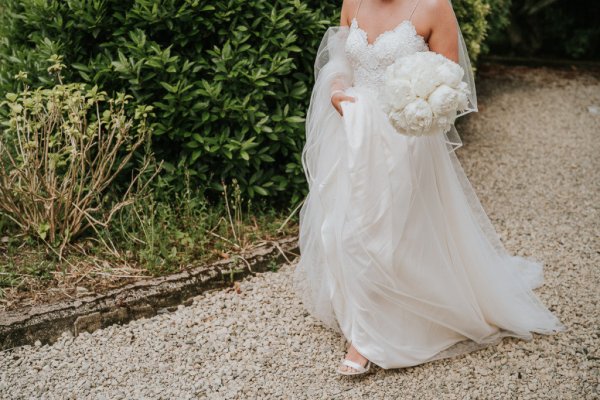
<point>432,14</point>
<point>350,3</point>
<point>348,10</point>
<point>434,6</point>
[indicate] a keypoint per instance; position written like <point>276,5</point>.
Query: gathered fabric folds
<point>396,252</point>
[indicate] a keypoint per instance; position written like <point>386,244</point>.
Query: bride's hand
<point>337,99</point>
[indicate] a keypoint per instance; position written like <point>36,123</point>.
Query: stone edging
<point>136,300</point>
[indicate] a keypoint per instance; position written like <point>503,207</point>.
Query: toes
<point>346,368</point>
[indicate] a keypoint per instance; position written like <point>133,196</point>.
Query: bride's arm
<point>443,38</point>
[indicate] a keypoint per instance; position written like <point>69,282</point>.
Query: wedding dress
<point>396,252</point>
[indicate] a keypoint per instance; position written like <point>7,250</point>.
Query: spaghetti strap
<point>413,10</point>
<point>358,8</point>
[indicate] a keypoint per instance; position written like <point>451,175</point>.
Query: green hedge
<point>550,28</point>
<point>229,80</point>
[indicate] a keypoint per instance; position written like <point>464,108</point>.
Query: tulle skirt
<point>396,252</point>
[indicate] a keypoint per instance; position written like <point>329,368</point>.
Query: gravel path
<point>533,156</point>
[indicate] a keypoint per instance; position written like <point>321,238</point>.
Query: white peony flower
<point>398,120</point>
<point>463,99</point>
<point>444,122</point>
<point>401,93</point>
<point>443,100</point>
<point>424,80</point>
<point>450,73</point>
<point>423,92</point>
<point>418,116</point>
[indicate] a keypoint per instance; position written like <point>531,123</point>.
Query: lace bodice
<point>369,60</point>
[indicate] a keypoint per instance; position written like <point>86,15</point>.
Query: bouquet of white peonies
<point>423,92</point>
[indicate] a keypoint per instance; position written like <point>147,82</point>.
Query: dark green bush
<point>497,18</point>
<point>555,28</point>
<point>229,80</point>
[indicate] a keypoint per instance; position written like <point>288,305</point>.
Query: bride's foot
<point>354,356</point>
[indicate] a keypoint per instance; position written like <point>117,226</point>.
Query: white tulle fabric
<point>397,253</point>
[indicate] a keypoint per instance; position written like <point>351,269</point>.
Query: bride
<point>396,252</point>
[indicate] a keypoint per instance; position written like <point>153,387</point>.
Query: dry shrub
<point>60,151</point>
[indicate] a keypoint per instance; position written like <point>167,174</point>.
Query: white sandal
<point>359,368</point>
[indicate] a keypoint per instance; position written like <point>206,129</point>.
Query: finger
<point>337,106</point>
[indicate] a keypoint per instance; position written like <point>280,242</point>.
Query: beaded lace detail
<point>369,60</point>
